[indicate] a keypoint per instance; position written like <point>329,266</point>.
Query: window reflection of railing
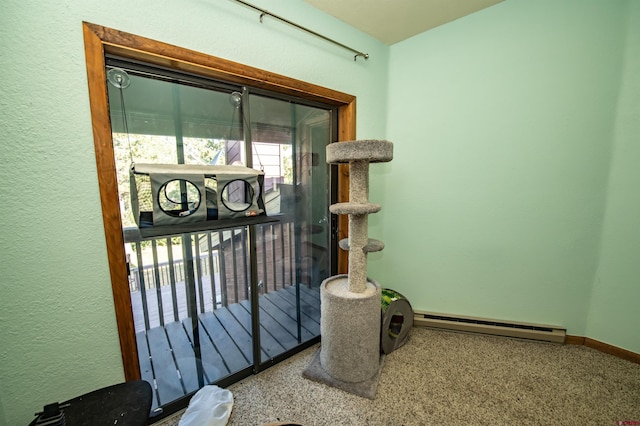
<point>164,271</point>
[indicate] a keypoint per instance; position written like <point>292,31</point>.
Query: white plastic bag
<point>210,406</point>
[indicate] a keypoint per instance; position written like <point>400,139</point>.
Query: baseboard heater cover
<point>548,333</point>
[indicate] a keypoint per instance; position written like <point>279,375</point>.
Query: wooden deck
<point>167,356</point>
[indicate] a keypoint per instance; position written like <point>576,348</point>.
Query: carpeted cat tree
<point>349,357</point>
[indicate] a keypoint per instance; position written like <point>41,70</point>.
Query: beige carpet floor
<point>444,378</point>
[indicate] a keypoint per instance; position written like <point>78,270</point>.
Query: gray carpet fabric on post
<point>373,151</point>
<point>372,245</point>
<point>350,329</point>
<point>354,208</point>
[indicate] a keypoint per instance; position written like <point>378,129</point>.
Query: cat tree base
<point>349,357</point>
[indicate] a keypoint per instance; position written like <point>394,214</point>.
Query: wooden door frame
<point>98,41</point>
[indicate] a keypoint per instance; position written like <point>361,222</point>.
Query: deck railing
<point>215,263</point>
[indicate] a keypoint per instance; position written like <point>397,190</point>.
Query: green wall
<point>614,311</point>
<point>58,337</point>
<point>512,194</point>
<point>503,127</point>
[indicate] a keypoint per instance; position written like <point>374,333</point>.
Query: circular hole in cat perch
<point>179,198</point>
<point>237,195</point>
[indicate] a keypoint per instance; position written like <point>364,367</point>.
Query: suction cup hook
<point>118,78</point>
<point>235,99</point>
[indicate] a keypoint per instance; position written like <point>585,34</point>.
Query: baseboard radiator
<point>548,333</point>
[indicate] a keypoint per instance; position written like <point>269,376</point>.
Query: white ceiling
<point>391,21</point>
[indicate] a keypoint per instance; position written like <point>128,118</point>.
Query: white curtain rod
<point>300,27</point>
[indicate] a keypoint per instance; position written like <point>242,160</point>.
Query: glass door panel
<point>211,306</point>
<point>288,143</point>
<point>187,289</point>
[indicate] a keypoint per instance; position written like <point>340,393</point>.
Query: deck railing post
<point>255,306</point>
<point>212,275</point>
<point>292,254</point>
<point>223,269</point>
<point>172,279</point>
<point>235,266</point>
<point>199,272</point>
<point>265,281</point>
<point>192,309</point>
<point>273,256</point>
<point>246,271</point>
<point>143,287</point>
<point>282,253</point>
<point>156,274</point>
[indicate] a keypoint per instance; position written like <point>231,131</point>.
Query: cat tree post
<point>350,304</point>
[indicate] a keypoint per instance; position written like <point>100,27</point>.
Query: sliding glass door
<point>289,143</point>
<point>217,303</point>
